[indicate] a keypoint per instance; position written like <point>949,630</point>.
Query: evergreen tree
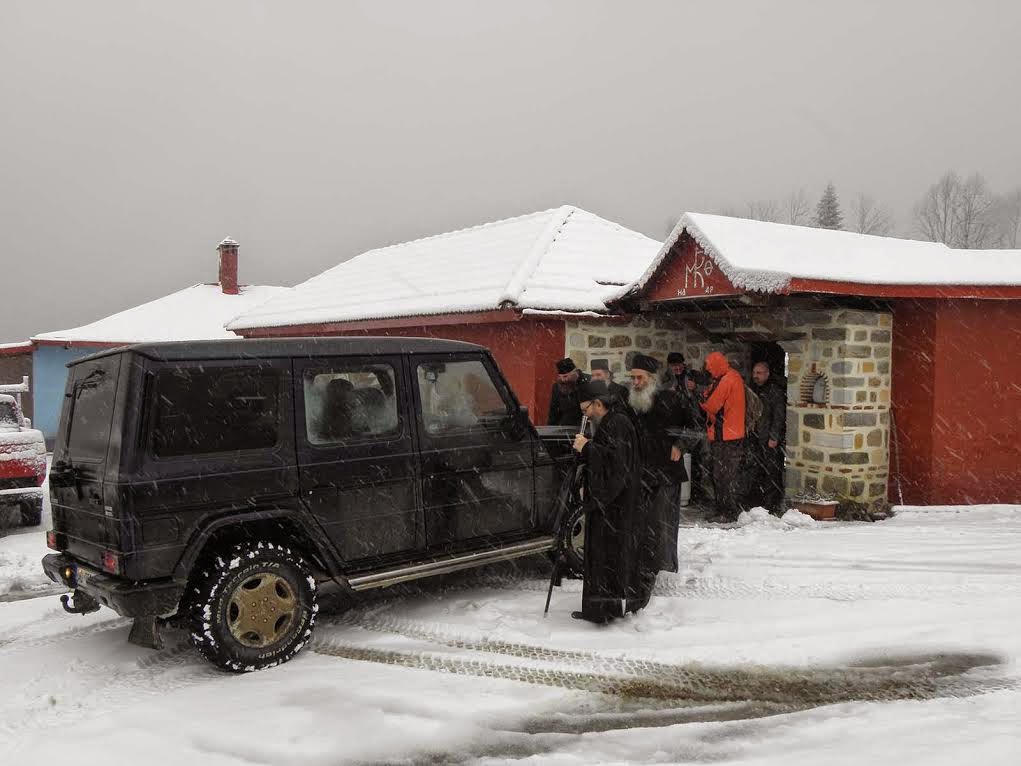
<point>827,212</point>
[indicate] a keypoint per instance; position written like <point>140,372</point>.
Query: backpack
<point>752,410</point>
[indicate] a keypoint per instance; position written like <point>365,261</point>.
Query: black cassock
<point>613,468</point>
<point>662,478</point>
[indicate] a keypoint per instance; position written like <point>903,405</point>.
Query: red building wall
<point>913,397</point>
<point>957,400</point>
<point>525,349</point>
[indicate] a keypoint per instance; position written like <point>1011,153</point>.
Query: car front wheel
<point>572,540</point>
<point>253,607</point>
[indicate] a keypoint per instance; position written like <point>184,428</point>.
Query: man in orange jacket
<point>724,404</point>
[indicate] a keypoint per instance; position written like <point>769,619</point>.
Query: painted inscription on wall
<point>689,274</point>
<point>696,274</point>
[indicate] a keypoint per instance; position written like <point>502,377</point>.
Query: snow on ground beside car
<point>21,550</point>
<point>756,653</point>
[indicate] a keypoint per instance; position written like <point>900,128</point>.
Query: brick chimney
<point>228,266</point>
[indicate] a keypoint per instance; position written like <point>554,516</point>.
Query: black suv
<point>215,483</point>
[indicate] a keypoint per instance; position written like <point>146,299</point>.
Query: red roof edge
<point>12,349</point>
<point>334,328</point>
<point>82,343</point>
<point>987,292</point>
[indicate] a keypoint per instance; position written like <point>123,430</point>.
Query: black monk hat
<point>591,390</point>
<point>643,362</point>
<point>601,364</point>
<point>675,357</point>
<point>565,365</point>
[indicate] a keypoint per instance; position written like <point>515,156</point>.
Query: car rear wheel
<point>253,607</point>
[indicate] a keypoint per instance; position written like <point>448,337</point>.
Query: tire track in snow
<point>787,688</point>
<point>919,677</point>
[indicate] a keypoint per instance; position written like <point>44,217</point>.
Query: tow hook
<point>79,602</point>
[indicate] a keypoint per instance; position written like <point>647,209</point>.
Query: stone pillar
<point>839,445</point>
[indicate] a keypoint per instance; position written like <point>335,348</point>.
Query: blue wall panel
<point>49,375</point>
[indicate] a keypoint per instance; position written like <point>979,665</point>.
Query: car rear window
<point>212,410</point>
<point>92,404</point>
<point>8,415</point>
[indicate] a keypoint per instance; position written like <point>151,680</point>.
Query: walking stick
<point>563,503</point>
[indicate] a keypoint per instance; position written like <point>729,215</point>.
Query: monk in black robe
<point>657,409</point>
<point>612,460</point>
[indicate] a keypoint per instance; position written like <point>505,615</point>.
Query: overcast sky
<point>135,136</point>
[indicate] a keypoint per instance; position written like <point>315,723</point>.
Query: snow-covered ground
<point>788,642</point>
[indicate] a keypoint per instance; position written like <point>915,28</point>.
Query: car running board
<point>451,564</point>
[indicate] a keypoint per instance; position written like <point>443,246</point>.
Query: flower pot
<point>817,509</point>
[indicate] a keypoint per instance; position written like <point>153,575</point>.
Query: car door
<point>357,463</point>
<point>476,450</point>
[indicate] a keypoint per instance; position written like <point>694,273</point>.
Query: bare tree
<point>936,212</point>
<point>976,214</point>
<point>961,214</point>
<point>1009,219</point>
<point>796,209</point>
<point>871,217</point>
<point>764,210</point>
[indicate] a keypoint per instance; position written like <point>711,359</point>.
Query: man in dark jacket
<point>657,409</point>
<point>601,371</point>
<point>688,385</point>
<point>563,405</point>
<point>612,460</point>
<point>766,443</point>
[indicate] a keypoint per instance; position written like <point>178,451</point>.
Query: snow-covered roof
<point>757,255</point>
<point>198,312</point>
<point>564,259</point>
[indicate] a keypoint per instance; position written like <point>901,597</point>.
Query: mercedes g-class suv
<point>214,484</point>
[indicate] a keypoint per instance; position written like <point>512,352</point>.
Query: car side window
<point>457,396</point>
<point>208,410</point>
<point>350,402</point>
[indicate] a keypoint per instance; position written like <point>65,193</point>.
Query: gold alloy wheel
<point>261,610</point>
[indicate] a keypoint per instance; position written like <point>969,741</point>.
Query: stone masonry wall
<point>655,336</point>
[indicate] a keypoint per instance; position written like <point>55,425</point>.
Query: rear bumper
<point>27,495</point>
<point>129,599</point>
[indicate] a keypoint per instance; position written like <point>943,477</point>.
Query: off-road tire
<point>31,513</point>
<point>572,540</point>
<point>282,589</point>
